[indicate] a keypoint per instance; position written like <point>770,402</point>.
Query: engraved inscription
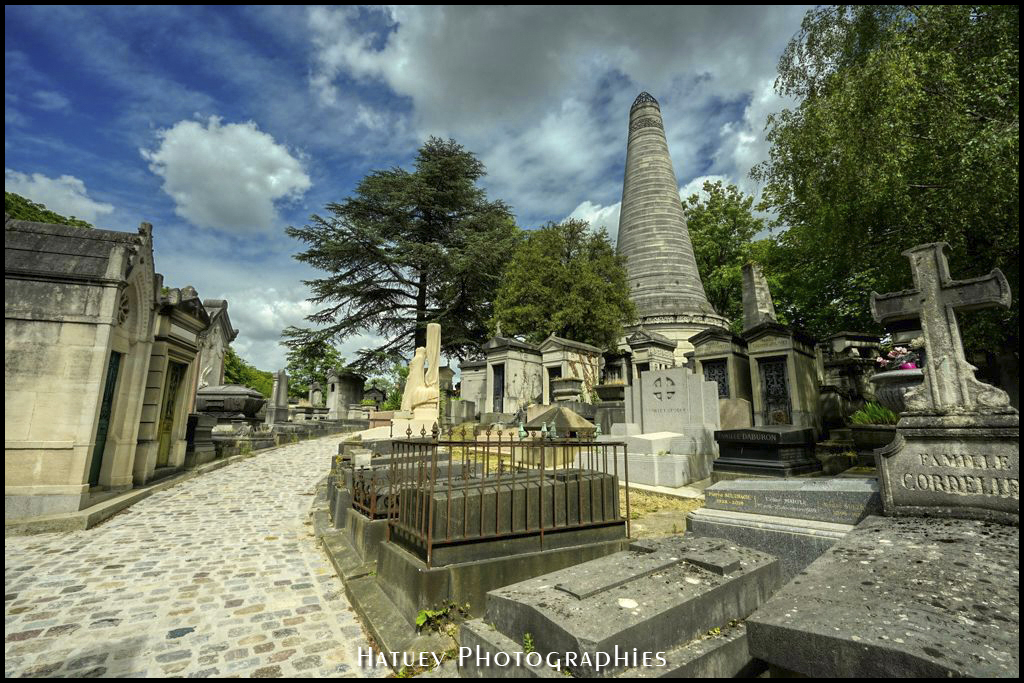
<point>985,483</point>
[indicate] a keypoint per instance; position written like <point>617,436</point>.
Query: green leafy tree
<point>567,280</point>
<point>721,228</point>
<point>409,248</point>
<point>24,209</point>
<point>238,371</point>
<point>311,362</point>
<point>907,131</point>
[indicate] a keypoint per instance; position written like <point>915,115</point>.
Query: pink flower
<point>908,366</point>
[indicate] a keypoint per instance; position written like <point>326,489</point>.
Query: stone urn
<point>892,386</point>
<point>871,437</point>
<point>566,389</point>
<point>223,400</point>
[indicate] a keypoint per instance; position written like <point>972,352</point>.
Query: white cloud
<point>598,216</point>
<point>542,94</point>
<point>744,144</point>
<point>226,177</point>
<point>696,186</point>
<point>66,195</point>
<point>50,100</point>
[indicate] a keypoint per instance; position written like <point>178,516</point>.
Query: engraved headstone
<point>957,448</point>
<point>277,406</point>
<point>901,595</point>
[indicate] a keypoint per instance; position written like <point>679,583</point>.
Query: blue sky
<point>223,125</point>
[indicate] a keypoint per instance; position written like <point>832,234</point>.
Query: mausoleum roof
<point>561,341</point>
<point>64,251</point>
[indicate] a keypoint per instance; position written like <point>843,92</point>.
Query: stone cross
<point>949,381</point>
<point>757,299</point>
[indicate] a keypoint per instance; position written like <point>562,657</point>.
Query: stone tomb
<point>907,595</point>
<point>671,416</point>
<point>777,451</point>
<point>957,448</point>
<point>783,362</point>
<point>900,598</point>
<point>795,520</point>
<point>661,608</point>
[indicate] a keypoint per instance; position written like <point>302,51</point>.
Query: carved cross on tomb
<point>949,381</point>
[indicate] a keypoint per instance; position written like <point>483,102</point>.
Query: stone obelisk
<point>662,272</point>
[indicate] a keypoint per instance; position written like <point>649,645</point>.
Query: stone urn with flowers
<point>899,372</point>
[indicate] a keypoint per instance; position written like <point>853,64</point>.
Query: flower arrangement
<point>899,358</point>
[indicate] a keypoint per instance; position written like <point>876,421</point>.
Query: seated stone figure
<point>422,388</point>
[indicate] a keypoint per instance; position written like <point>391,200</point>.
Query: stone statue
<point>422,388</point>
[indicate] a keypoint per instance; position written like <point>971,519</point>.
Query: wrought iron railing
<point>448,488</point>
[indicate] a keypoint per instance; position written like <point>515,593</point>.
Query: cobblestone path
<point>217,576</point>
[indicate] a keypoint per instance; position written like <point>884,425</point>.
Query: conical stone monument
<point>662,272</point>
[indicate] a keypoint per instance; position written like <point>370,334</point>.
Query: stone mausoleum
<point>101,364</point>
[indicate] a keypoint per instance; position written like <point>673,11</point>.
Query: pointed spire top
<point>644,98</point>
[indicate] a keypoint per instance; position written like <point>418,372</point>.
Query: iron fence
<point>448,488</point>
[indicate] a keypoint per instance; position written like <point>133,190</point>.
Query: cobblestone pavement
<point>217,576</point>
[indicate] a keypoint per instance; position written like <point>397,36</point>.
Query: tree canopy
<point>409,248</point>
<point>238,371</point>
<point>24,209</point>
<point>567,280</point>
<point>721,227</point>
<point>311,362</point>
<point>907,132</point>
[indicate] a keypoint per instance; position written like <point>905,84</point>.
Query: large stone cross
<point>949,381</point>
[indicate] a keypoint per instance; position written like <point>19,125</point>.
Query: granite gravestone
<point>678,401</point>
<point>795,520</point>
<point>780,451</point>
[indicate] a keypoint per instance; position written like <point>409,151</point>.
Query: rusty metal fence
<point>448,488</point>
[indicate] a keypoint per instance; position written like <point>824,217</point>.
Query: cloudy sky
<point>222,126</point>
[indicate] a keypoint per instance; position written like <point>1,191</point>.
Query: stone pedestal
<point>199,439</point>
<point>965,466</point>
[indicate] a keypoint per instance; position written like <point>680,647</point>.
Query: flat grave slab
<point>837,501</point>
<point>905,597</point>
<point>655,597</point>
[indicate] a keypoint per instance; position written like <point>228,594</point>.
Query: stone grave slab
<point>904,597</point>
<point>839,501</point>
<point>795,520</point>
<point>658,597</point>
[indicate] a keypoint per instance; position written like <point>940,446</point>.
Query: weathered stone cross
<point>949,382</point>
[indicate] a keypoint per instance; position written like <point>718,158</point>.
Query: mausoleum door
<point>175,376</point>
<point>103,425</point>
<point>718,371</point>
<point>776,404</point>
<point>499,388</point>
